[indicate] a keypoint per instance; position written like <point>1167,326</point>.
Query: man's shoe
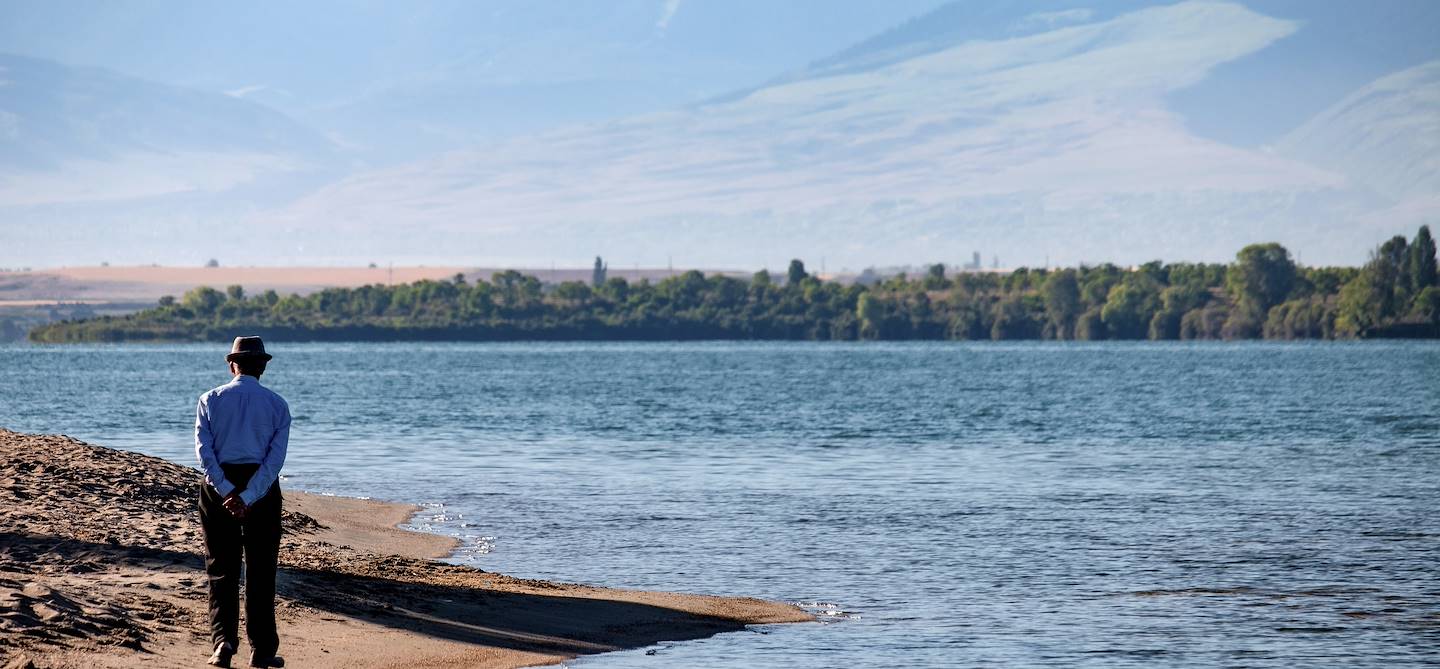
<point>272,661</point>
<point>222,655</point>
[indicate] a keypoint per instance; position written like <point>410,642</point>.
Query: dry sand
<point>100,566</point>
<point>142,286</point>
<point>146,284</point>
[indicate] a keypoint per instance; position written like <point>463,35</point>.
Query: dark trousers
<point>227,539</point>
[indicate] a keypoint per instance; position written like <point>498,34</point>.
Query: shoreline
<point>100,566</point>
<point>372,524</point>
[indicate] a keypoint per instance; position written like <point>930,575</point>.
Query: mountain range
<point>1041,132</point>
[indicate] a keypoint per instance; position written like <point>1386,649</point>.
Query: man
<point>241,432</point>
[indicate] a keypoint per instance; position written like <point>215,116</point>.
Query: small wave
<point>827,611</point>
<point>1193,592</point>
<point>474,546</point>
<point>1137,652</point>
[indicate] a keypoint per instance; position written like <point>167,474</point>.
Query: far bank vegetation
<point>1262,294</point>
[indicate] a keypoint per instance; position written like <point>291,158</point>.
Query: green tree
<point>870,313</point>
<point>795,274</point>
<point>1328,280</point>
<point>235,293</point>
<point>1303,318</point>
<point>1364,299</point>
<point>1158,271</point>
<point>1019,280</point>
<point>1427,305</point>
<point>1175,302</point>
<point>1261,277</point>
<point>967,322</point>
<point>1245,321</point>
<point>517,291</point>
<point>1376,296</point>
<point>1090,326</point>
<point>1013,320</point>
<point>597,275</point>
<point>1096,282</point>
<point>1205,275</point>
<point>686,290</point>
<point>1393,254</point>
<point>1420,267</point>
<point>1062,302</point>
<point>1394,250</point>
<point>203,300</point>
<point>935,277</point>
<point>1204,323</point>
<point>616,289</point>
<point>1130,306</point>
<point>573,291</point>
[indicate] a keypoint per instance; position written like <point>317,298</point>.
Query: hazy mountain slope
<point>397,81</point>
<point>1248,101</point>
<point>71,135</point>
<point>1035,130</point>
<point>1055,143</point>
<point>1385,136</point>
<point>962,21</point>
<point>97,166</point>
<point>1340,47</point>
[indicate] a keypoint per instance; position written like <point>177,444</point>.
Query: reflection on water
<point>941,504</point>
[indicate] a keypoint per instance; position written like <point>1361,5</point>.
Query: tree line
<point>1262,294</point>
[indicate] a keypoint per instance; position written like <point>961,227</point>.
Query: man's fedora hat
<point>247,347</point>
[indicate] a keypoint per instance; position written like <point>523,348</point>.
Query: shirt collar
<point>245,378</point>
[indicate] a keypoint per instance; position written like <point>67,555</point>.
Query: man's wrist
<point>225,488</point>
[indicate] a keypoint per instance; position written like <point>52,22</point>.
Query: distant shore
<point>1263,294</point>
<point>100,566</point>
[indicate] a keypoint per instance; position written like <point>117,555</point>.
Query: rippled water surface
<point>1260,505</point>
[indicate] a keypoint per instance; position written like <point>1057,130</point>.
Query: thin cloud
<point>245,90</point>
<point>9,124</point>
<point>1046,20</point>
<point>667,12</point>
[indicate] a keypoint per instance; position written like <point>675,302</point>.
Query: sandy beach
<point>100,566</point>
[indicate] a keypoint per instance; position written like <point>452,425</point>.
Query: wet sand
<point>100,566</point>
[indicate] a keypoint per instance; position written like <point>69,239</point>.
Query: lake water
<point>939,504</point>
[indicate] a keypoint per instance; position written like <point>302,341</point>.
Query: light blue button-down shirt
<point>242,422</point>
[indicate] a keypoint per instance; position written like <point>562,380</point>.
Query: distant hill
<point>1385,136</point>
<point>97,166</point>
<point>72,134</point>
<point>1050,142</point>
<point>960,22</point>
<point>1038,131</point>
